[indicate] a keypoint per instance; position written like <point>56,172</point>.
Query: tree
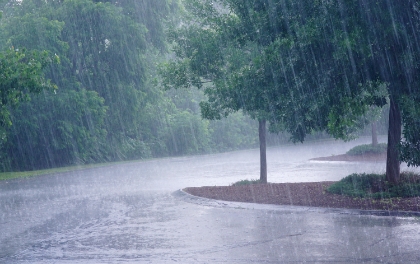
<point>353,47</point>
<point>79,137</point>
<point>53,129</point>
<point>371,42</point>
<point>56,129</point>
<point>370,117</point>
<point>108,52</point>
<point>113,46</point>
<point>396,62</point>
<point>317,66</point>
<point>207,55</point>
<point>153,14</point>
<point>104,48</point>
<point>21,74</point>
<point>243,50</point>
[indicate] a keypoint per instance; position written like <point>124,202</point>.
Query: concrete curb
<point>287,208</point>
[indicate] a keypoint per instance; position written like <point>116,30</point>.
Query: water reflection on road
<point>127,213</point>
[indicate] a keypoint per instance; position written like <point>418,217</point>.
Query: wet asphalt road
<point>133,213</point>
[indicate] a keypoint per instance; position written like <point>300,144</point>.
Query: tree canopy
<point>307,65</point>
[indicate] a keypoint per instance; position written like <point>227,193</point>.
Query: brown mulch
<point>302,194</point>
<point>305,194</point>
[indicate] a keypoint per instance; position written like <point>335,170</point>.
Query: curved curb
<point>286,208</point>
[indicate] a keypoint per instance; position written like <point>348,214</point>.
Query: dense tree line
<point>99,98</point>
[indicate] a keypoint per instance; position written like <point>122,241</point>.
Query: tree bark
<point>394,138</point>
<point>262,132</point>
<point>374,134</point>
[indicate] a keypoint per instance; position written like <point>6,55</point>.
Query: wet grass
<point>375,186</point>
<point>367,149</point>
<point>26,174</point>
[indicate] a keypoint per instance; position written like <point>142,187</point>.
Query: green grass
<point>375,186</point>
<point>367,149</point>
<point>246,182</point>
<point>25,174</point>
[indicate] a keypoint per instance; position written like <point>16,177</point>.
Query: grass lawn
<point>25,174</point>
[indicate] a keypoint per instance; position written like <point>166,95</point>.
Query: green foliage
<point>410,146</point>
<point>347,120</point>
<point>188,134</point>
<point>237,131</point>
<point>153,14</point>
<point>132,148</point>
<point>56,130</point>
<point>375,186</point>
<point>108,52</point>
<point>206,58</point>
<point>174,127</point>
<point>34,32</point>
<point>246,182</point>
<point>21,74</point>
<point>357,185</point>
<point>254,63</point>
<point>368,149</point>
<point>109,60</point>
<point>305,64</point>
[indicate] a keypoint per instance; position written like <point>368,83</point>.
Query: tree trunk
<point>262,132</point>
<point>374,134</point>
<point>394,138</point>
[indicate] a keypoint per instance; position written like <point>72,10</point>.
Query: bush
<point>368,149</point>
<point>246,182</point>
<point>375,186</point>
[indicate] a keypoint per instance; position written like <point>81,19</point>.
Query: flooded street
<point>134,213</point>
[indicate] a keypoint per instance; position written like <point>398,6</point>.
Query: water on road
<point>131,213</point>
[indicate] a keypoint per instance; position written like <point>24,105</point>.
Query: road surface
<point>134,213</point>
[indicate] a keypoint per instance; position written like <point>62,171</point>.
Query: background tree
<point>20,75</point>
<point>101,50</point>
<point>66,128</point>
<point>108,105</point>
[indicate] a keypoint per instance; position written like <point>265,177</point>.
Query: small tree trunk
<point>374,134</point>
<point>394,138</point>
<point>262,132</point>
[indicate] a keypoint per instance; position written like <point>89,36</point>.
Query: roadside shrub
<point>375,186</point>
<point>246,182</point>
<point>367,149</point>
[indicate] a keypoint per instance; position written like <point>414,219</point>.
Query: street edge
<point>286,208</point>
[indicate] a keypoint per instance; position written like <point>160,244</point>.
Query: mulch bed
<point>305,194</point>
<point>302,194</point>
